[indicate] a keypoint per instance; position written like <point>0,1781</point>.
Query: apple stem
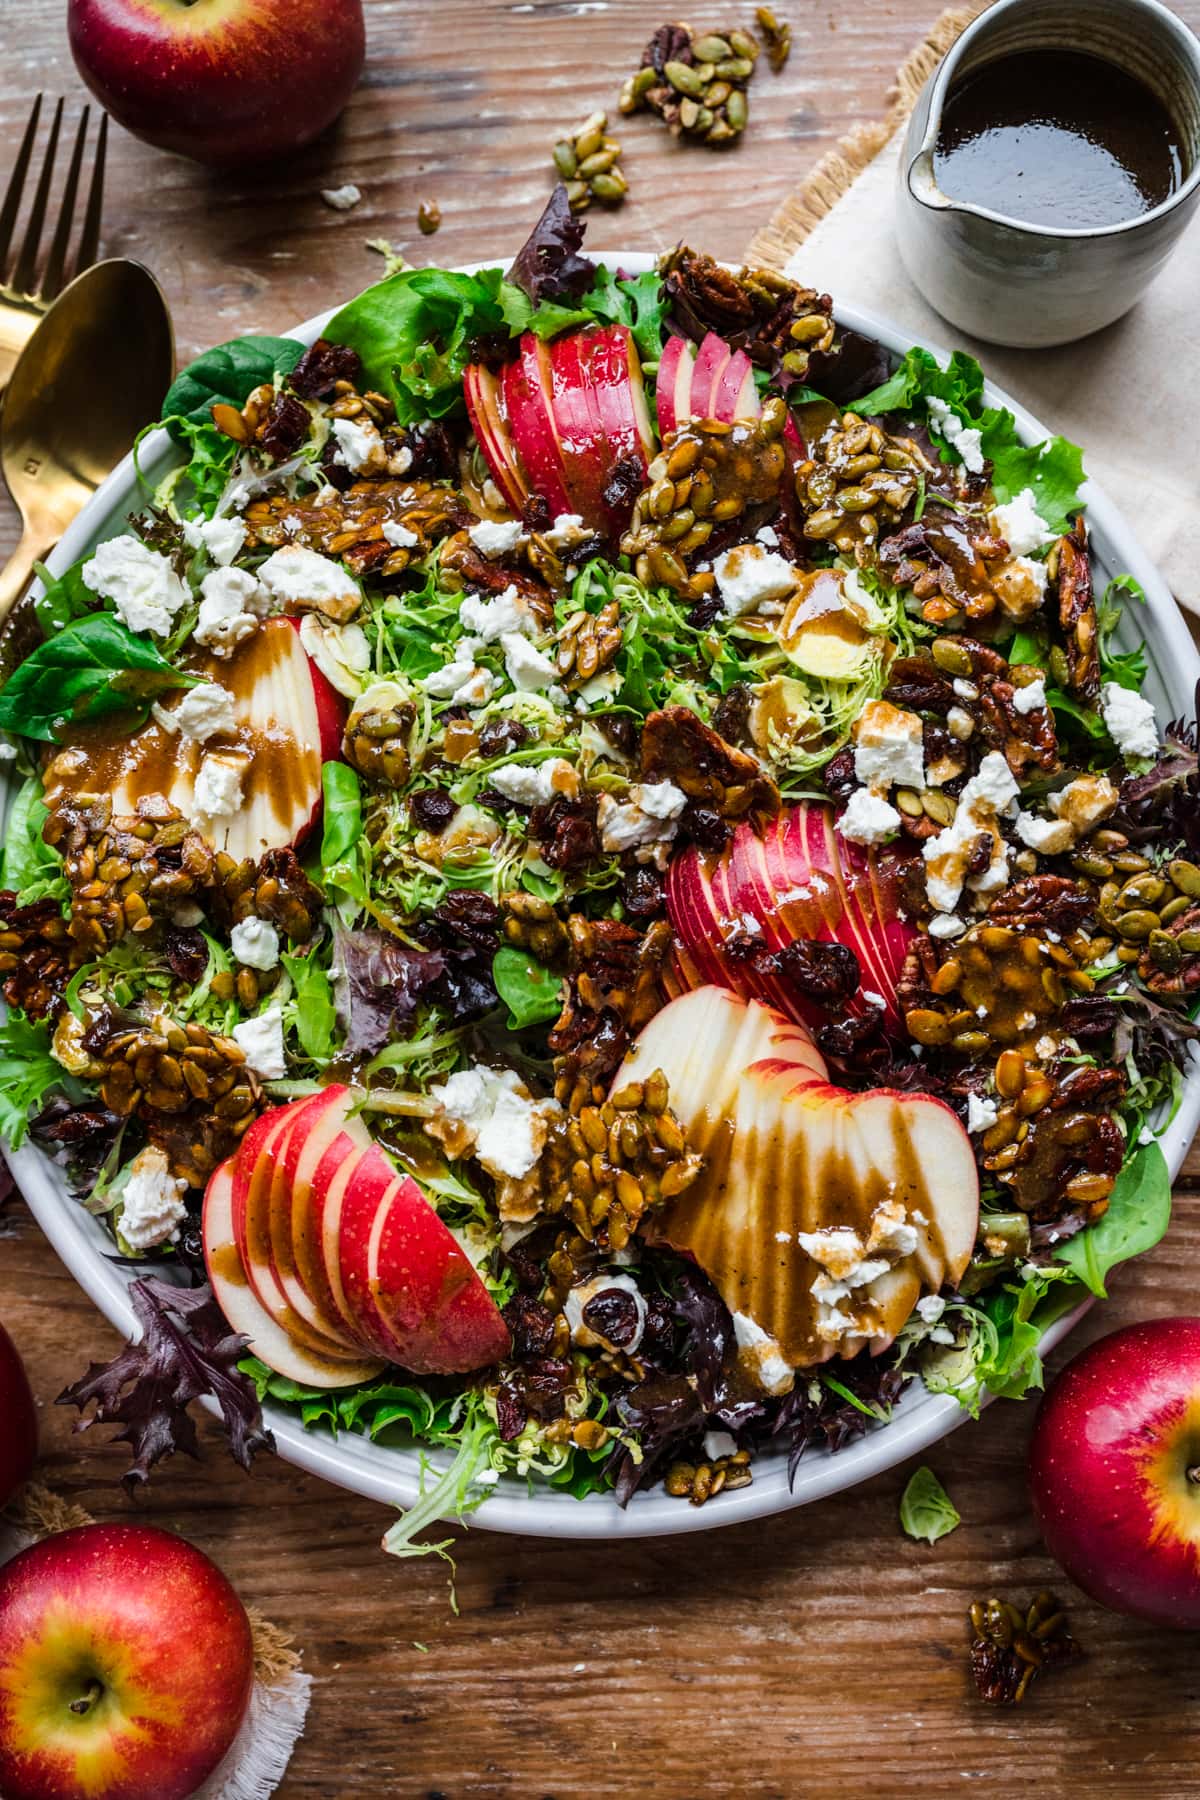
<point>86,1702</point>
<point>1193,1474</point>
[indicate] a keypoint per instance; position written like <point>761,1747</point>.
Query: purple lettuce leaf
<point>548,265</point>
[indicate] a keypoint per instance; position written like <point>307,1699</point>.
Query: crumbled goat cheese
<point>204,711</point>
<point>341,652</point>
<point>567,532</point>
<point>506,1128</point>
<point>645,822</point>
<point>768,537</point>
<point>966,439</point>
<point>946,925</point>
<point>490,620</point>
<point>868,818</point>
<point>989,795</point>
<point>761,1356</point>
<point>255,942</point>
<point>846,1265</point>
<point>718,1444</point>
<point>231,604</point>
<point>1031,697</point>
<point>959,723</point>
<point>1084,802</point>
<point>528,669</point>
<point>217,793</point>
<point>1020,524</point>
<point>343,198</point>
<point>1129,718</point>
<point>966,690</point>
<point>600,688</point>
<point>221,537</point>
<point>140,582</point>
<point>300,577</point>
<point>1049,837</point>
<point>461,682</point>
<point>262,1040</point>
<point>930,1307</point>
<point>889,747</point>
<point>152,1205</point>
<point>535,784</point>
<point>399,536</point>
<point>982,1112</point>
<point>494,538</point>
<point>748,575</point>
<point>577,1299</point>
<point>359,445</point>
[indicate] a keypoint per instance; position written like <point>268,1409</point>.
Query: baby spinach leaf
<point>342,791</point>
<point>27,1073</point>
<point>926,1510</point>
<point>413,332</point>
<point>315,1013</point>
<point>228,372</point>
<point>94,669</point>
<point>29,866</point>
<point>1139,1211</point>
<point>531,992</point>
<point>65,597</point>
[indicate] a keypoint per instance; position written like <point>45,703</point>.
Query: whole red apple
<point>225,82</point>
<point>18,1422</point>
<point>126,1665</point>
<point>1114,1469</point>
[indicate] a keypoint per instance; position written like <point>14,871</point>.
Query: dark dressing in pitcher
<point>1057,137</point>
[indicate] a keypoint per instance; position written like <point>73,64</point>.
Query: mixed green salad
<point>413,743</point>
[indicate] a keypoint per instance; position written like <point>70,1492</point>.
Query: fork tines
<point>23,279</point>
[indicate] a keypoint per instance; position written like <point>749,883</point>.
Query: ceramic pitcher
<point>1035,285</point>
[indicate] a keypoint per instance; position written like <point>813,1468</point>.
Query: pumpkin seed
<point>1186,877</point>
<point>1137,924</point>
<point>684,79</point>
<point>1189,941</point>
<point>1174,908</point>
<point>1165,952</point>
<point>565,159</point>
<point>737,108</point>
<point>712,49</point>
<point>742,44</point>
<point>950,657</point>
<point>735,68</point>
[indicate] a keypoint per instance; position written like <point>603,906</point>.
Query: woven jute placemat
<point>840,167</point>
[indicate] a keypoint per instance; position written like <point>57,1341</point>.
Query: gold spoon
<point>93,373</point>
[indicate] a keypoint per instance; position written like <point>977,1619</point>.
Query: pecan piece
<point>942,558</point>
<point>1077,612</point>
<point>679,747</point>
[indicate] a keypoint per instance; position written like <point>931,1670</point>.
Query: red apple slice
<point>289,721</point>
<point>267,1339</point>
<point>673,384</point>
<point>734,394</point>
<point>254,1169</point>
<point>436,1309</point>
<point>482,392</point>
<point>788,1153</point>
<point>330,1186</point>
<point>798,879</point>
<point>295,1153</point>
<point>713,355</point>
<point>610,365</point>
<point>335,1134</point>
<point>355,1193</point>
<point>586,457</point>
<point>532,428</point>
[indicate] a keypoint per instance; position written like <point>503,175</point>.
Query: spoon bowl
<point>93,373</point>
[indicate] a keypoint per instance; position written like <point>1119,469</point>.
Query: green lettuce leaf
<point>1139,1211</point>
<point>959,385</point>
<point>414,330</point>
<point>531,992</point>
<point>228,372</point>
<point>29,866</point>
<point>93,669</point>
<point>1126,667</point>
<point>28,1072</point>
<point>315,1013</point>
<point>926,1509</point>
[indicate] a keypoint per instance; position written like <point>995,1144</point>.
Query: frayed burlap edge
<point>37,1512</point>
<point>840,167</point>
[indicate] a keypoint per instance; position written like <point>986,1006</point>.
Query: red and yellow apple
<point>126,1665</point>
<point>225,82</point>
<point>332,1262</point>
<point>558,417</point>
<point>787,1155</point>
<point>18,1421</point>
<point>716,382</point>
<point>1114,1471</point>
<point>798,878</point>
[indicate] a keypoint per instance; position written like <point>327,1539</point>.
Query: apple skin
<point>225,82</point>
<point>1113,1443</point>
<point>157,1625</point>
<point>18,1421</point>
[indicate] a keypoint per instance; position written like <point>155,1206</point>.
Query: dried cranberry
<point>621,732</point>
<point>432,450</point>
<point>334,472</point>
<point>537,513</point>
<point>643,892</point>
<point>532,1325</point>
<point>979,857</point>
<point>511,1415</point>
<point>732,717</point>
<point>825,972</point>
<point>840,779</point>
<point>568,834</point>
<point>846,1037</point>
<point>706,612</point>
<point>469,915</point>
<point>545,1384</point>
<point>284,429</point>
<point>432,809</point>
<point>321,368</point>
<point>624,484</point>
<point>186,953</point>
<point>613,1315</point>
<point>500,737</point>
<point>704,825</point>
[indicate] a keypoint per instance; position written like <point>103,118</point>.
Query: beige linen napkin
<point>1130,395</point>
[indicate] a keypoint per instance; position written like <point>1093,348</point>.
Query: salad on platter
<point>589,888</point>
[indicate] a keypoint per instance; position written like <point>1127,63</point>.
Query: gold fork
<point>24,296</point>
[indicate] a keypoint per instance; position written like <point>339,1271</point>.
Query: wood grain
<point>812,1655</point>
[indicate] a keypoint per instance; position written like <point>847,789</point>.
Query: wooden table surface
<point>803,1656</point>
